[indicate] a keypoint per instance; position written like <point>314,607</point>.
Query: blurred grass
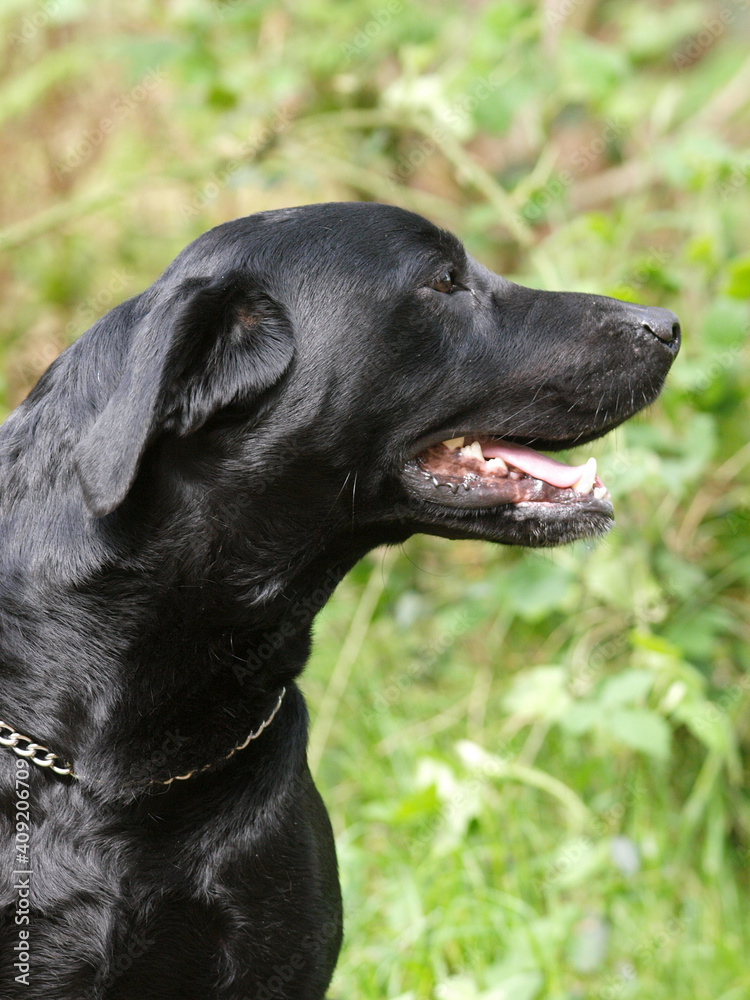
<point>535,763</point>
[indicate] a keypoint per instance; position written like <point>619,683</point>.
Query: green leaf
<point>627,688</point>
<point>419,806</point>
<point>640,729</point>
<point>519,986</point>
<point>708,723</point>
<point>590,69</point>
<point>725,324</point>
<point>581,717</point>
<point>536,586</point>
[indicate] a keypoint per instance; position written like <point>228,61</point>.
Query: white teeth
<point>474,450</point>
<point>454,443</point>
<point>497,464</point>
<point>600,492</point>
<point>586,482</point>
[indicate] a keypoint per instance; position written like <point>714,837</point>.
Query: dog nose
<point>661,322</point>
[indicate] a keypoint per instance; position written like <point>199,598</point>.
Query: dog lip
<point>589,503</point>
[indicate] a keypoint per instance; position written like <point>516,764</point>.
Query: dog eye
<point>444,283</point>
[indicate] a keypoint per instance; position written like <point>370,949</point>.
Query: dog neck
<point>168,676</point>
<point>166,617</point>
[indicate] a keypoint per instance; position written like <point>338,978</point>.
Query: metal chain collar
<point>232,752</point>
<point>33,751</point>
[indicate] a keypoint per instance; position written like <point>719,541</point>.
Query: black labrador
<point>180,494</point>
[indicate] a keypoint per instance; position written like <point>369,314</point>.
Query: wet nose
<point>662,323</point>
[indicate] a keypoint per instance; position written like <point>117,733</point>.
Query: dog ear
<point>210,344</point>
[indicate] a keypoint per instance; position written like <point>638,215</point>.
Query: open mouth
<point>483,472</point>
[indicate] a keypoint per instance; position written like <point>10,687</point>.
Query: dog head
<point>350,368</point>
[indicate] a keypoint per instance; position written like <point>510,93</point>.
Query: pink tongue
<point>534,464</point>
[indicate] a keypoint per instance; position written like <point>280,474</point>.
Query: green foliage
<point>536,768</point>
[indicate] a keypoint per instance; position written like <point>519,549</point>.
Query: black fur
<point>179,495</point>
